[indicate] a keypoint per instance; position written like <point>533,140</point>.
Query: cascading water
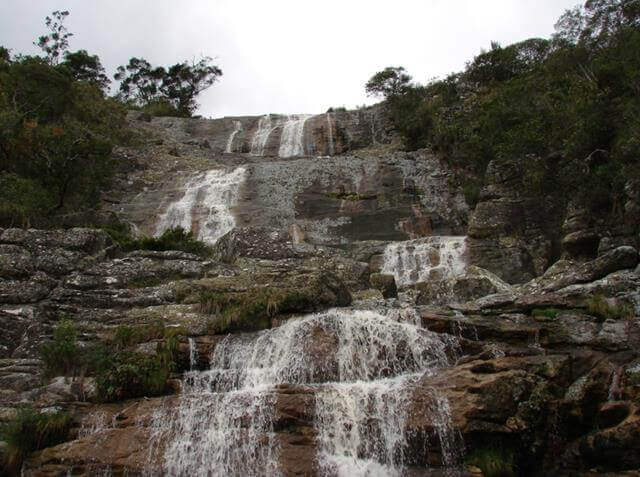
<point>237,127</point>
<point>261,136</point>
<point>292,138</point>
<point>205,206</point>
<point>223,424</point>
<point>331,150</point>
<point>429,258</point>
<point>193,354</point>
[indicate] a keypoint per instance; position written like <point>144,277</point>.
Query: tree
<point>139,81</point>
<point>56,42</point>
<point>86,67</point>
<point>390,82</point>
<point>145,85</point>
<point>183,82</point>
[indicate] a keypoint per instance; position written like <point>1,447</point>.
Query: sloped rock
<point>613,413</point>
<point>385,283</point>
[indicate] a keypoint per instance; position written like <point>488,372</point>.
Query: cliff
<point>354,315</point>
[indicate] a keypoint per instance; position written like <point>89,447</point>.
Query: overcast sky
<point>287,56</point>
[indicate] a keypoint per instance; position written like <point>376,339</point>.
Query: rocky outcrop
<point>334,132</point>
<point>516,231</point>
<point>456,344</point>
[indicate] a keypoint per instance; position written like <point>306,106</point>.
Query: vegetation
<point>598,306</point>
<point>126,374</point>
<point>32,430</point>
<point>546,312</point>
<point>120,373</point>
<point>58,126</point>
<point>171,91</point>
<point>172,239</point>
<point>566,110</point>
<point>60,355</point>
<point>252,310</point>
<point>126,336</point>
<point>493,461</point>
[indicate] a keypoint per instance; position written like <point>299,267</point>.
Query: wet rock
<point>385,283</point>
<point>613,413</point>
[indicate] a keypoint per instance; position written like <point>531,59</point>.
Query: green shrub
<point>545,312</point>
<point>598,306</point>
<point>127,375</point>
<point>494,462</point>
<point>22,200</point>
<point>471,191</point>
<point>252,310</point>
<point>60,356</point>
<point>125,336</point>
<point>31,430</point>
<point>172,239</point>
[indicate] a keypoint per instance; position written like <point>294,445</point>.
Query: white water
<point>204,208</point>
<point>424,259</point>
<point>266,125</point>
<point>193,354</point>
<point>292,138</point>
<point>362,377</point>
<point>237,127</point>
<point>331,149</point>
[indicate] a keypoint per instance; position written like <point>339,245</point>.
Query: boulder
<point>385,283</point>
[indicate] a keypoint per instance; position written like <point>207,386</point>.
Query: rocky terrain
<point>455,331</point>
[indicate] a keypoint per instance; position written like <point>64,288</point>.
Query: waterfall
<point>193,354</point>
<point>331,147</point>
<point>261,136</point>
<point>205,206</point>
<point>430,258</point>
<point>237,127</point>
<point>292,138</point>
<point>361,377</point>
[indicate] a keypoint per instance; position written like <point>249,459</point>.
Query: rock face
<point>354,317</point>
<point>517,233</point>
<point>328,134</point>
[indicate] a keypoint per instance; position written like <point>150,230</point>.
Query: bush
<point>60,356</point>
<point>494,462</point>
<point>31,430</point>
<point>598,306</point>
<point>172,239</point>
<point>252,310</point>
<point>126,336</point>
<point>545,312</point>
<point>22,200</point>
<point>127,375</point>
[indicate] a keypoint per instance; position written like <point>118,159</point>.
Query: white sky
<point>286,56</point>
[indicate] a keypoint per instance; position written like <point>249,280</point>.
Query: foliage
<point>390,82</point>
<point>125,336</point>
<point>56,42</point>
<point>56,137</point>
<point>251,310</point>
<point>545,312</point>
<point>566,109</point>
<point>598,306</point>
<point>33,199</point>
<point>171,90</point>
<point>120,373</point>
<point>493,461</point>
<point>31,430</point>
<point>58,127</point>
<point>125,375</point>
<point>171,239</point>
<point>61,354</point>
<point>86,67</point>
